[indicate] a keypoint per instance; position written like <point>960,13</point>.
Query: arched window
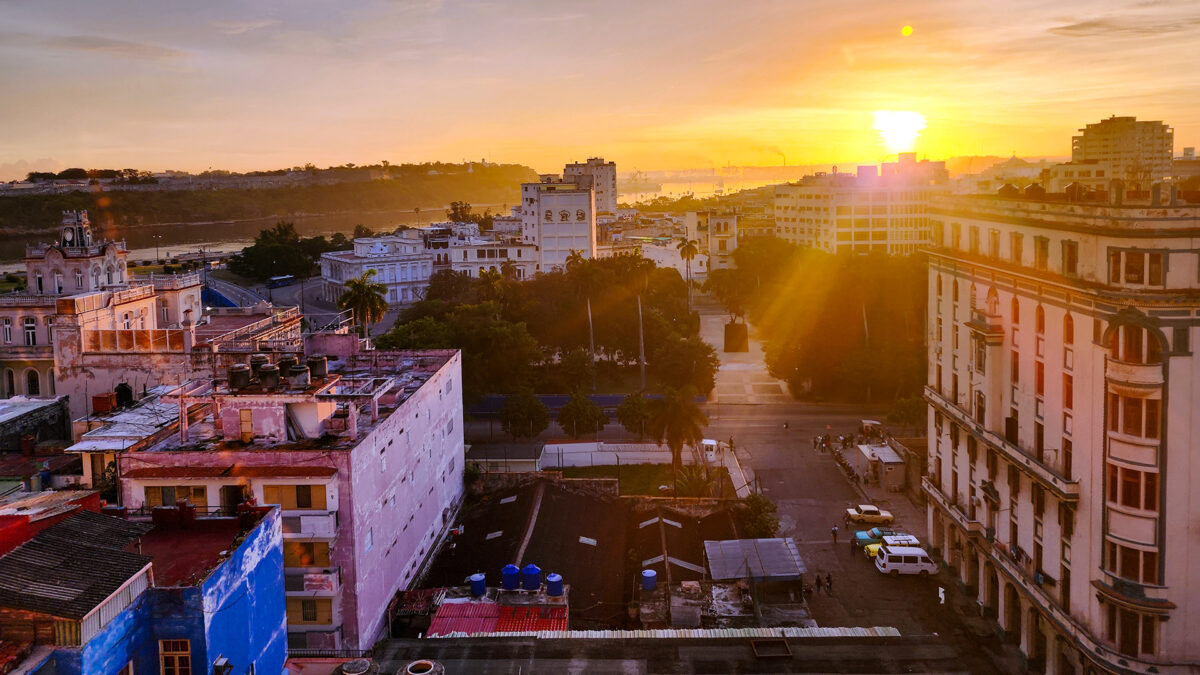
<point>1068,330</point>
<point>1134,344</point>
<point>108,275</point>
<point>1039,320</point>
<point>939,285</point>
<point>954,291</point>
<point>33,383</point>
<point>1016,311</point>
<point>95,278</point>
<point>993,302</point>
<point>125,320</point>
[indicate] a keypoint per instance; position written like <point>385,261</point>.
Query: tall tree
<point>634,414</point>
<point>366,298</point>
<point>580,416</point>
<point>523,415</point>
<point>676,420</point>
<point>686,362</point>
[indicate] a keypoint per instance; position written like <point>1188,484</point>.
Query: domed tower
<point>76,229</point>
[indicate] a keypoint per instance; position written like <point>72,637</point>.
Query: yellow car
<point>870,550</point>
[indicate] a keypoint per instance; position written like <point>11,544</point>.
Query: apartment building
<point>1063,392</point>
<point>861,212</point>
<point>1139,153</point>
<point>559,217</point>
<point>601,176</point>
<point>403,264</point>
<point>362,450</point>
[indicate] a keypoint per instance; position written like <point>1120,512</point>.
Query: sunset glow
<point>898,129</point>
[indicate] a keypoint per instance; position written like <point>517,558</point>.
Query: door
<point>232,496</point>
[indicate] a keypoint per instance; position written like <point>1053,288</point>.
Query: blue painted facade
<point>237,612</point>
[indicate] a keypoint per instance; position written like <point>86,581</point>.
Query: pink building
<point>361,449</point>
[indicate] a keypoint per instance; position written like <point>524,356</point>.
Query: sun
<point>906,31</point>
<point>898,129</point>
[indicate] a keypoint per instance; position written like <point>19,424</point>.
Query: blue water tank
<point>478,584</point>
<point>649,580</point>
<point>531,577</point>
<point>554,585</point>
<point>510,577</point>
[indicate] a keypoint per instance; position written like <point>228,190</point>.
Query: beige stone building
<point>1063,390</point>
<point>1139,153</point>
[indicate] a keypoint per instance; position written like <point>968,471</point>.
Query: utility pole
<point>592,343</point>
<point>641,344</point>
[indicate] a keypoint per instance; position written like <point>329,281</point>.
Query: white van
<point>904,560</point>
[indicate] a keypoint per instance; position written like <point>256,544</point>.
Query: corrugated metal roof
<point>759,559</point>
<point>677,634</point>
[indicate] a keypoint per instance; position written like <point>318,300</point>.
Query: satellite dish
<point>68,234</point>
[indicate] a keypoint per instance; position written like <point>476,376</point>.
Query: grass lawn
<point>638,479</point>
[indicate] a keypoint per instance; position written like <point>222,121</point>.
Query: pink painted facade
<point>368,459</point>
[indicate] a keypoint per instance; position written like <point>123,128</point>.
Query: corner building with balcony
<point>1063,393</point>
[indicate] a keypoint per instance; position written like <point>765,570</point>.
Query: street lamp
<point>157,241</point>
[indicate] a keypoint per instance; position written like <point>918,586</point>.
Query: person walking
<point>828,583</point>
<point>834,532</point>
<point>818,583</point>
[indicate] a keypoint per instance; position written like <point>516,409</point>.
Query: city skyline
<point>243,86</point>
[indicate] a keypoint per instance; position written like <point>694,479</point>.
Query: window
<point>1068,330</point>
<point>58,282</point>
<point>49,330</point>
<point>1016,311</point>
<point>7,330</point>
<point>175,656</point>
<point>1067,450</point>
<point>294,497</point>
<point>1134,344</point>
<point>955,291</point>
<point>1132,488</point>
<point>939,285</point>
<point>973,240</point>
<point>305,553</point>
<point>33,383</point>
<point>30,331</point>
<point>1135,267</point>
<point>1068,391</point>
<point>1039,320</point>
<point>167,495</point>
<point>1041,252</point>
<point>1131,563</point>
<point>309,611</point>
<point>1070,258</point>
<point>78,279</point>
<point>1015,243</point>
<point>1039,378</point>
<point>1015,367</point>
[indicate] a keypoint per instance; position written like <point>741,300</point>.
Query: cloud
<point>239,27</point>
<point>1126,26</point>
<point>93,44</point>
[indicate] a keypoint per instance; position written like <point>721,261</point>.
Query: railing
<point>145,511</point>
<point>133,293</point>
<point>330,653</point>
<point>310,524</point>
<point>964,521</point>
<point>1136,374</point>
<point>34,250</point>
<point>279,317</point>
<point>311,582</point>
<point>1061,487</point>
<point>169,282</point>
<point>26,299</point>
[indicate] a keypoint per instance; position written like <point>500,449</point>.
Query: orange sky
<point>664,84</point>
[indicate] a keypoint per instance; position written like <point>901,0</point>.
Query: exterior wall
<point>407,482</point>
<point>1140,153</point>
<point>400,263</point>
<point>245,620</point>
<point>1093,175</point>
<point>722,240</point>
<point>604,181</point>
<point>50,422</point>
<point>846,213</point>
<point>1021,446</point>
<point>543,206</point>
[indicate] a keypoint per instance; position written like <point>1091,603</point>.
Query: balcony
<point>311,584</point>
<point>956,513</point>
<point>988,325</point>
<point>310,523</point>
<point>1061,487</point>
<point>1136,375</point>
<point>26,299</point>
<point>169,282</point>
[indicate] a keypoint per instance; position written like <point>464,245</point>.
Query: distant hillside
<point>484,185</point>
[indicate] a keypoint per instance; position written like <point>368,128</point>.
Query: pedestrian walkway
<point>742,377</point>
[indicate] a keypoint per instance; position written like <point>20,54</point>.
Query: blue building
<point>98,595</point>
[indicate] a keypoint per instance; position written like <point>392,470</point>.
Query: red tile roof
<point>490,617</point>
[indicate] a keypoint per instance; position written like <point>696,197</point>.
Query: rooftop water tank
<point>478,584</point>
<point>318,365</point>
<point>510,577</point>
<point>298,376</point>
<point>649,580</point>
<point>424,667</point>
<point>554,585</point>
<point>258,361</point>
<point>286,362</point>
<point>239,376</point>
<point>531,577</point>
<point>268,375</point>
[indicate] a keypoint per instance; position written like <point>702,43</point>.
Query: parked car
<point>865,513</point>
<point>897,560</point>
<point>870,550</point>
<point>872,536</point>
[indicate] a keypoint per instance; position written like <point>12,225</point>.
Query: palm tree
<point>676,420</point>
<point>366,298</point>
<point>508,270</point>
<point>688,249</point>
<point>490,284</point>
<point>574,258</point>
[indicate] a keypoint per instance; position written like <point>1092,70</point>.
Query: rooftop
<point>184,556</point>
<point>19,406</point>
<point>70,568</point>
<point>41,505</point>
<point>757,559</point>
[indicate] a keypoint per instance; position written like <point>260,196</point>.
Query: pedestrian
<point>818,583</point>
<point>829,583</point>
<point>785,424</point>
<point>834,532</point>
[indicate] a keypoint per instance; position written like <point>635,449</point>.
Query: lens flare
<point>898,129</point>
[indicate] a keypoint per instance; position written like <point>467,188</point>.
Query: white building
<point>401,263</point>
<point>1063,390</point>
<point>1089,173</point>
<point>860,212</point>
<point>559,217</point>
<point>1139,153</point>
<point>603,177</point>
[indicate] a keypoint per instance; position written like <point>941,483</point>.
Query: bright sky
<point>661,84</point>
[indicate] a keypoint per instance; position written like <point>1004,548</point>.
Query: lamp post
<point>157,241</point>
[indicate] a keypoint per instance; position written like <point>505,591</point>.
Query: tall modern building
<point>861,212</point>
<point>1139,153</point>
<point>1063,388</point>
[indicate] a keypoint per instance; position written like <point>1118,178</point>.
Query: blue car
<point>874,535</point>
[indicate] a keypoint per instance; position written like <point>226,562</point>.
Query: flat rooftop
<point>19,406</point>
<point>185,556</point>
<point>41,505</point>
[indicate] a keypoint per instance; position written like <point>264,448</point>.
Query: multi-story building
<point>603,179</point>
<point>722,240</point>
<point>361,449</point>
<point>559,218</point>
<point>401,263</point>
<point>1091,174</point>
<point>1062,391</point>
<point>1139,152</point>
<point>861,212</point>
